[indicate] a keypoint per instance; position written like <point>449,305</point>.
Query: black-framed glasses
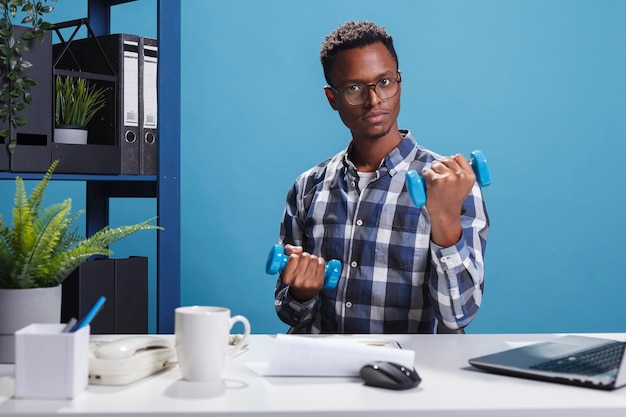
<point>357,94</point>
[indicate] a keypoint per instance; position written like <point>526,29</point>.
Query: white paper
<point>328,356</point>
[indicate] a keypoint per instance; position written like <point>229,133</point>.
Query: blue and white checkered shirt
<point>394,279</point>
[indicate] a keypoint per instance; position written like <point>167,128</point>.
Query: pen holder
<point>49,363</point>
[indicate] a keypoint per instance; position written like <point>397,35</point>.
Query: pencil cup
<point>49,363</point>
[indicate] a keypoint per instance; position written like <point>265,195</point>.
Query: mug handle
<point>241,343</point>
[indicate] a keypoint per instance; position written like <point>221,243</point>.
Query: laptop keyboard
<point>590,362</point>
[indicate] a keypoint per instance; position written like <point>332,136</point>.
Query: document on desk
<point>329,355</point>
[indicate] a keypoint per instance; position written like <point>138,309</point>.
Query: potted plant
<point>37,252</point>
<point>15,84</point>
<point>76,102</point>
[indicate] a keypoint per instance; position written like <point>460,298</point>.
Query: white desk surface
<point>450,387</point>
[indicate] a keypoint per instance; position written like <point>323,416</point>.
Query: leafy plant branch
<point>14,82</point>
<point>42,246</point>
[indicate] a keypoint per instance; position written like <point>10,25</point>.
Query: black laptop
<point>574,360</point>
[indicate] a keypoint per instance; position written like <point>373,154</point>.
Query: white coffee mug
<point>202,336</point>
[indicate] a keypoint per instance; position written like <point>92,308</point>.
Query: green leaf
<point>5,51</point>
<point>28,35</point>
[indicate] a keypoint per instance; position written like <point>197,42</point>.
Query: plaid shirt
<point>393,278</point>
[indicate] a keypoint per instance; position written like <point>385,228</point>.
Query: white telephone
<point>129,359</point>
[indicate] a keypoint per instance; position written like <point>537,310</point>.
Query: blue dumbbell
<point>276,261</point>
<point>417,187</point>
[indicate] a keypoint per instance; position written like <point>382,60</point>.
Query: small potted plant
<point>77,101</point>
<point>38,251</point>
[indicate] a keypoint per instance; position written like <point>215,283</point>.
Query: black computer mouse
<point>389,375</point>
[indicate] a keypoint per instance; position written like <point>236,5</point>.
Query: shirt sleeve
<point>290,311</point>
<point>456,273</point>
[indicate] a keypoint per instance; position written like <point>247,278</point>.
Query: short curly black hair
<point>353,35</point>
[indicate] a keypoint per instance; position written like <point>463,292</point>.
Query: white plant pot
<point>21,307</point>
<point>72,135</point>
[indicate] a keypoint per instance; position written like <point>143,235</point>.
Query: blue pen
<point>90,314</point>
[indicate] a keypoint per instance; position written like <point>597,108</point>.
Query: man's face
<point>375,118</point>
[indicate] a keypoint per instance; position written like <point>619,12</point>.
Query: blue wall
<point>537,85</point>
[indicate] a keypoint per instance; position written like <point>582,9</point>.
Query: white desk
<point>449,388</point>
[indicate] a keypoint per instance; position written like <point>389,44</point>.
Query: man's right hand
<point>304,273</point>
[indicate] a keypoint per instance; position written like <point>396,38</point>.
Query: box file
<point>124,282</point>
<point>131,295</point>
<point>34,139</point>
<point>148,64</point>
<point>86,159</point>
<point>84,286</point>
<point>119,123</point>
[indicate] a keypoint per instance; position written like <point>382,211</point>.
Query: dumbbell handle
<point>277,259</point>
<point>417,187</point>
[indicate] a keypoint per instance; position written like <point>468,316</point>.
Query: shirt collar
<point>393,160</point>
<point>400,153</point>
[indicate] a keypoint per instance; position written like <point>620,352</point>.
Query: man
<point>404,269</point>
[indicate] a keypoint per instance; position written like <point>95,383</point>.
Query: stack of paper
<point>329,356</point>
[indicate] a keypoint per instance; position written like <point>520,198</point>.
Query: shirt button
<point>454,293</point>
<point>444,259</point>
<point>392,171</point>
<point>359,222</point>
<point>348,304</point>
<point>353,264</point>
<point>353,183</point>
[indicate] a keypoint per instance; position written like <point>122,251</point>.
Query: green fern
<point>43,247</point>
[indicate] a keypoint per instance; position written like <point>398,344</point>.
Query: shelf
<point>79,177</point>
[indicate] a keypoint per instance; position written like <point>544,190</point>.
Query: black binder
<point>148,63</point>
